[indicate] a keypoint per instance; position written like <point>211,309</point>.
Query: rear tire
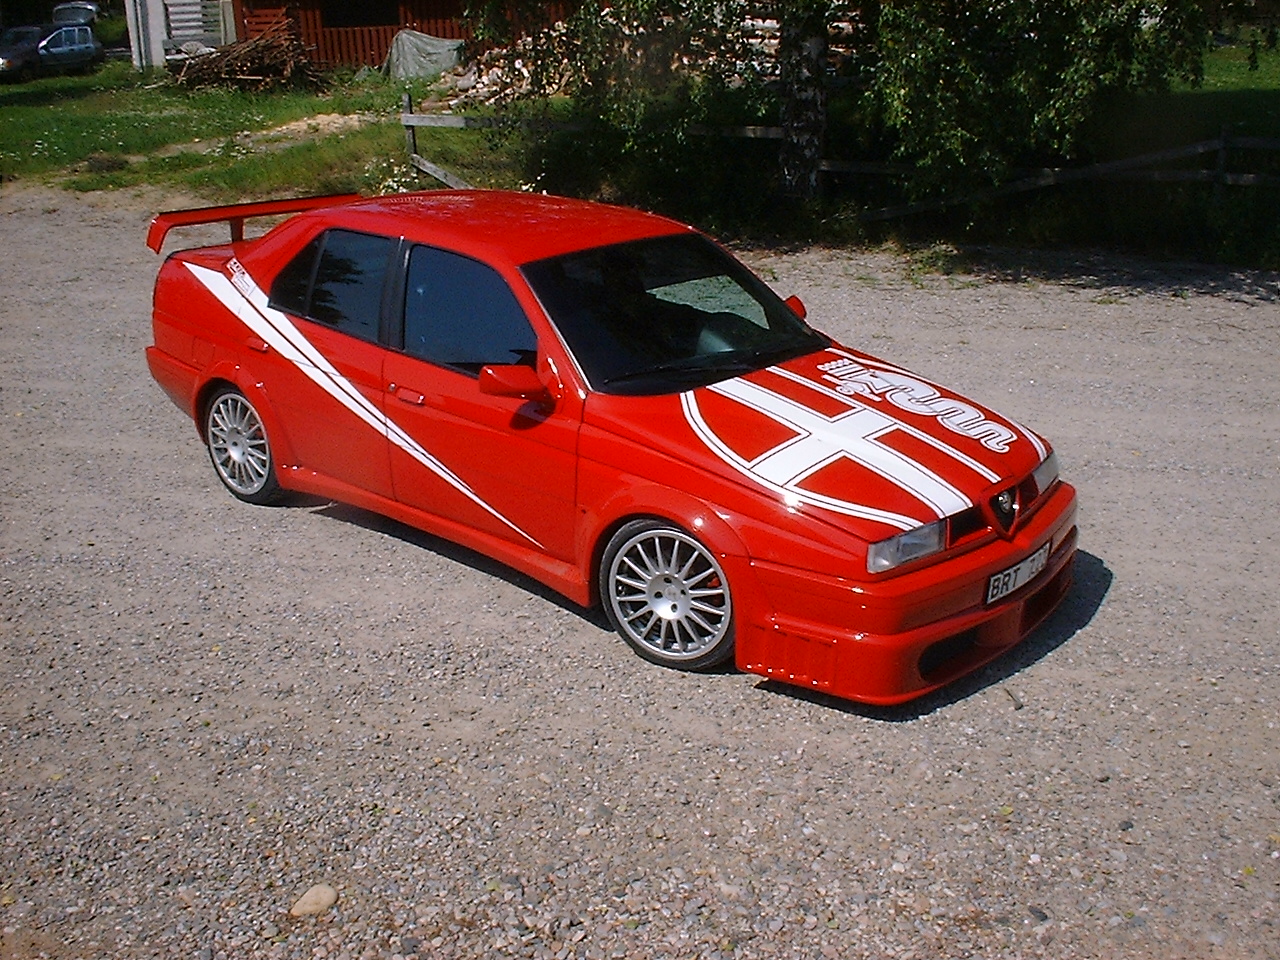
<point>239,448</point>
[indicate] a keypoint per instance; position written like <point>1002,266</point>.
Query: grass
<point>117,128</point>
<point>1234,98</point>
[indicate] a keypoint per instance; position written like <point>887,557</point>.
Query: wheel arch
<point>704,521</point>
<point>255,393</point>
<point>204,397</point>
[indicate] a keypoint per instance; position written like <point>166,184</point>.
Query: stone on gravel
<point>316,900</point>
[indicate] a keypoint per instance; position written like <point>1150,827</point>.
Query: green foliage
<point>623,61</point>
<point>637,77</point>
<point>1200,221</point>
<point>973,89</point>
<point>961,93</point>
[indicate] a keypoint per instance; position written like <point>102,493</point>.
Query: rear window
<point>337,280</point>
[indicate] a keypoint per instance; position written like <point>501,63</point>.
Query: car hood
<point>837,434</point>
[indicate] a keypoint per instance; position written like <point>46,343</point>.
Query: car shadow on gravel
<point>447,548</point>
<point>1107,271</point>
<point>1089,588</point>
<point>1091,582</point>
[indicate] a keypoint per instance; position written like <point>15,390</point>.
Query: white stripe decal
<point>248,302</point>
<point>1035,441</point>
<point>789,493</point>
<point>874,380</point>
<point>854,434</point>
<point>957,455</point>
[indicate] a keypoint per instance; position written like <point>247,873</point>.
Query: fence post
<point>410,133</point>
<point>1221,178</point>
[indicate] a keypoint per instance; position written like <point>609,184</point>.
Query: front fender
<point>633,498</point>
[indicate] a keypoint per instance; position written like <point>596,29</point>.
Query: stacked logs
<point>275,58</point>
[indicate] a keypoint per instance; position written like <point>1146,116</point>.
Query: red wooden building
<point>342,33</point>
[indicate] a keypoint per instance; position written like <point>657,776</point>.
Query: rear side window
<point>337,280</point>
<point>460,313</point>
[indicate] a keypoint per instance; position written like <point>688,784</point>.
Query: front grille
<point>1004,507</point>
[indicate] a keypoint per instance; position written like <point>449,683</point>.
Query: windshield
<point>666,314</point>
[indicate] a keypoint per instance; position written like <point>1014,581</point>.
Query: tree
<point>962,90</point>
<point>970,89</point>
<point>802,64</point>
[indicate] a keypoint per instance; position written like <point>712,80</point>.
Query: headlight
<point>912,545</point>
<point>1046,474</point>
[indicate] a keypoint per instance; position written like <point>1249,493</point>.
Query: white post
<point>146,32</point>
<point>227,15</point>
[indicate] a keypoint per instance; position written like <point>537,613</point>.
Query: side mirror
<point>512,380</point>
<point>797,306</point>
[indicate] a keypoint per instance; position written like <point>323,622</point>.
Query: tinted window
<point>342,287</point>
<point>461,313</point>
<point>347,291</point>
<point>293,283</point>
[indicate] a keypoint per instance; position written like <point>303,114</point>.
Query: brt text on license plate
<point>1006,581</point>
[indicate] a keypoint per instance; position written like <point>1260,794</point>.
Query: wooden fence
<point>331,47</point>
<point>1139,168</point>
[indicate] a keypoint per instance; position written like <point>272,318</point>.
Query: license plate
<point>1006,581</point>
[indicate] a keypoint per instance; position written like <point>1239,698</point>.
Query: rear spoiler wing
<point>236,214</point>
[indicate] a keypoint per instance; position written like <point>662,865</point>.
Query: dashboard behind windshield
<point>665,314</point>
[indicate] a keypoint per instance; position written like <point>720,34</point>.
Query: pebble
<point>317,899</point>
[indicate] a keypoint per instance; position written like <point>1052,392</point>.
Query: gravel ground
<point>210,707</point>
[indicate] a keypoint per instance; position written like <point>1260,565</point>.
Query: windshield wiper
<point>729,362</point>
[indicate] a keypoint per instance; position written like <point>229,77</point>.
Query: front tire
<point>664,592</point>
<point>239,448</point>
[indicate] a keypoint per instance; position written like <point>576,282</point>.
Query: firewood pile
<point>275,58</point>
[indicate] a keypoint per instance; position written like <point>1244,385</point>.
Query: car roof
<point>518,227</point>
<point>41,29</point>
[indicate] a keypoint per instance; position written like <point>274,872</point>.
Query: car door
<point>81,49</point>
<point>57,49</point>
<point>502,465</point>
<point>329,391</point>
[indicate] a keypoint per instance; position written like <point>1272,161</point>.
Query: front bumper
<point>891,640</point>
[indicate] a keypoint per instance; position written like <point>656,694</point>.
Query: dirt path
<point>208,707</point>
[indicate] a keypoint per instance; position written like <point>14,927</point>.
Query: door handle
<point>407,395</point>
<point>256,343</point>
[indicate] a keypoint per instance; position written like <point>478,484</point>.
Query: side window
<point>337,279</point>
<point>460,313</point>
<point>292,284</point>
<point>57,41</point>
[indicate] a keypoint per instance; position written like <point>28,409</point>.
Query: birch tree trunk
<point>802,56</point>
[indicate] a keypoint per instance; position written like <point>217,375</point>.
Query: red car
<point>608,401</point>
